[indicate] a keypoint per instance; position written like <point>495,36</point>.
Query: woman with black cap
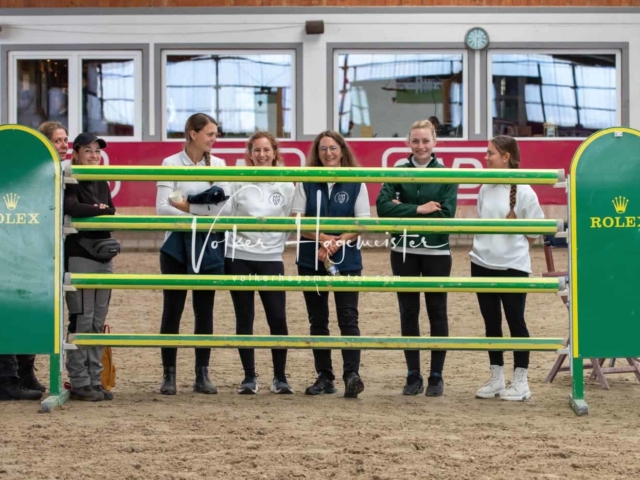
<point>88,252</point>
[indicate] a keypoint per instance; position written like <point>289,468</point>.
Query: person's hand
<point>397,202</point>
<point>330,243</point>
<point>429,207</point>
<point>322,254</point>
<point>101,206</point>
<point>181,204</point>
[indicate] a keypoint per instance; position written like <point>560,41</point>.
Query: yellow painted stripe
<point>57,285</point>
<point>573,229</point>
<point>299,345</point>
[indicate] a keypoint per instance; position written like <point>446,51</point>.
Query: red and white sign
<point>555,154</point>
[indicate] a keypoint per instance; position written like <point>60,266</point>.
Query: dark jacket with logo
<point>187,247</point>
<point>79,202</point>
<point>341,203</point>
<point>414,194</point>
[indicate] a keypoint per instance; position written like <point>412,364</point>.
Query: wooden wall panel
<point>314,3</point>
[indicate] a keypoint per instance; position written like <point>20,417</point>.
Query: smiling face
<point>204,139</point>
<point>60,141</point>
<point>262,153</point>
<point>88,154</point>
<point>421,143</point>
<point>495,159</point>
<point>329,152</point>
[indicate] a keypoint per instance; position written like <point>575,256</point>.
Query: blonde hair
<point>49,128</point>
<point>277,161</point>
<point>348,158</point>
<point>505,144</point>
<point>422,124</point>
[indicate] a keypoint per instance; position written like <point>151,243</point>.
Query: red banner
<point>553,154</point>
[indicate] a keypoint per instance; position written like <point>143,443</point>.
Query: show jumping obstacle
<point>605,168</point>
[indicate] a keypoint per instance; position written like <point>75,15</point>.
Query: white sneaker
<point>495,385</point>
<point>519,388</point>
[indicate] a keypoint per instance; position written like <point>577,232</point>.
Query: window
<point>381,94</point>
<point>98,92</point>
<point>554,95</point>
<point>108,103</point>
<point>42,92</point>
<point>244,91</point>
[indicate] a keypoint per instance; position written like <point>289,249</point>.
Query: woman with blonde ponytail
<point>423,254</point>
<point>504,256</point>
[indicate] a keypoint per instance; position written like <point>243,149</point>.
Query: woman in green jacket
<point>421,255</point>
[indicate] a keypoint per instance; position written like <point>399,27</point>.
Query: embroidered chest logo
<point>276,199</point>
<point>342,197</point>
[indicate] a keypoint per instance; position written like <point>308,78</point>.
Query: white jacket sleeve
<point>163,203</point>
<point>299,204</point>
<point>532,209</point>
<point>362,207</point>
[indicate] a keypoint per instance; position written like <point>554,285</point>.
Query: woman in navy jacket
<point>332,200</point>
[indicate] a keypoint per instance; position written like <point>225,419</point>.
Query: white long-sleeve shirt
<point>166,187</point>
<point>500,251</point>
<point>264,199</point>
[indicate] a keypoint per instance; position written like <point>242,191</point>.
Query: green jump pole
<point>308,342</point>
<point>309,224</point>
<point>316,174</point>
<point>299,283</point>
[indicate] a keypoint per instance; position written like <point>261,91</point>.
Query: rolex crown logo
<point>620,204</point>
<point>11,200</point>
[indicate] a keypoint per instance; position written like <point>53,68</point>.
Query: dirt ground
<point>382,435</point>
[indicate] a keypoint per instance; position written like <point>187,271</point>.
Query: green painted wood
<point>311,283</point>
<point>55,401</point>
<point>29,221</point>
<point>309,224</point>
<point>605,242</point>
<point>306,342</point>
<point>311,174</point>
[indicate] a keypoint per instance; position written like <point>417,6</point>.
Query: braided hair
<point>508,145</point>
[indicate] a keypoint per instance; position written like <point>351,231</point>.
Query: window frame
<point>551,51</point>
<point>335,70</point>
<point>74,59</point>
<point>165,52</point>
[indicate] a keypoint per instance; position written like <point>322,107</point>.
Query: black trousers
<point>513,304</point>
<point>173,306</point>
<point>422,266</point>
<point>14,366</point>
<point>274,304</point>
<point>318,311</point>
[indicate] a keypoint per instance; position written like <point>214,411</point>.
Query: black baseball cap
<point>87,138</point>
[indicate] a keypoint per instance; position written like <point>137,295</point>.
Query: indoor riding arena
<point>119,84</point>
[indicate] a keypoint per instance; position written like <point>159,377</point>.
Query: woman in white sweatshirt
<point>259,253</point>
<point>504,256</point>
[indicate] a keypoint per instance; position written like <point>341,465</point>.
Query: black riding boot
<point>202,383</point>
<point>169,381</point>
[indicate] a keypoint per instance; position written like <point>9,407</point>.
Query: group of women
<point>261,253</point>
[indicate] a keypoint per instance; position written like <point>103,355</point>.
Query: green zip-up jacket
<point>412,195</point>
